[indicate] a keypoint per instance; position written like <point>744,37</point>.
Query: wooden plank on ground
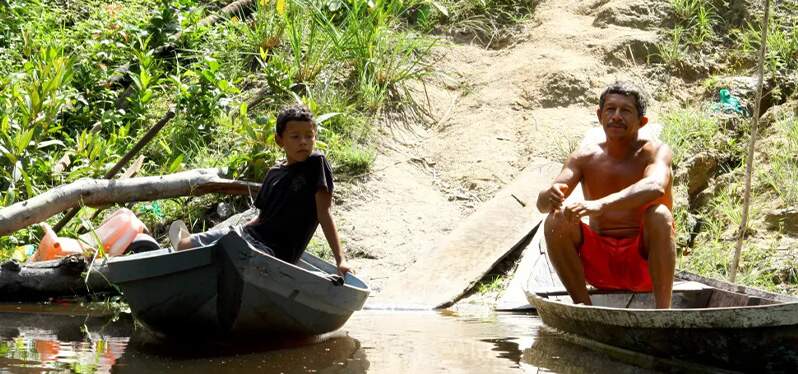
<point>532,270</point>
<point>473,248</point>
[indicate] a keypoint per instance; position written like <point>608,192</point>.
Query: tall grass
<point>782,43</point>
<point>780,174</point>
<point>688,132</point>
<point>486,20</point>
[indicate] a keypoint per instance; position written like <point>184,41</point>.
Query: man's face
<point>297,140</point>
<point>619,116</point>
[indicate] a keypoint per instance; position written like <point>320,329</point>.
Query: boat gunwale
<point>203,259</point>
<point>714,317</point>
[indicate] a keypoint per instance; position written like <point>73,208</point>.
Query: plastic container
<point>116,232</point>
<point>52,247</point>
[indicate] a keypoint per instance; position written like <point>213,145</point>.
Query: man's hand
<point>577,210</point>
<point>555,196</point>
<point>344,268</point>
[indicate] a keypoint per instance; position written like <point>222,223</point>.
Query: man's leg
<point>660,247</point>
<point>562,238</point>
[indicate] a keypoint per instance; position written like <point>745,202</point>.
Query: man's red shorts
<point>614,263</point>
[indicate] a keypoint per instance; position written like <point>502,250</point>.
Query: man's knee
<point>557,228</point>
<point>658,218</point>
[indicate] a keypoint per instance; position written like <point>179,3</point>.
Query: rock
<point>698,171</point>
<point>631,50</point>
<point>778,113</point>
<point>11,265</point>
<point>636,14</point>
<point>734,13</point>
<point>785,219</point>
<point>562,89</point>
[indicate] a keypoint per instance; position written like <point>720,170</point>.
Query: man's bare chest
<point>605,177</point>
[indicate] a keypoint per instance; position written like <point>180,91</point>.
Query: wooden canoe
<point>230,289</point>
<point>711,323</point>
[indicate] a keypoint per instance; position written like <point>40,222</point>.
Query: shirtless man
<point>626,181</point>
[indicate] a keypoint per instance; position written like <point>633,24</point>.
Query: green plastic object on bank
<point>728,103</point>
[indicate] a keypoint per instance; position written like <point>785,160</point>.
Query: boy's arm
<point>323,203</point>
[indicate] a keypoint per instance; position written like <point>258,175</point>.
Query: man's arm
<point>552,198</point>
<point>654,184</point>
<point>323,203</point>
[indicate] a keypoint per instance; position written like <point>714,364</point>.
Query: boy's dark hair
<point>626,89</point>
<point>297,112</point>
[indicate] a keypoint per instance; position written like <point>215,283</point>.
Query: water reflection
<point>60,337</point>
<point>551,351</point>
<point>88,339</point>
<point>330,353</point>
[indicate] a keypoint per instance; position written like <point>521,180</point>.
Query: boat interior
<point>686,294</point>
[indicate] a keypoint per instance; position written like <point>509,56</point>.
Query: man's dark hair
<point>297,112</point>
<point>626,89</point>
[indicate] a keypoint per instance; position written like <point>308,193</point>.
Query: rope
<point>749,162</point>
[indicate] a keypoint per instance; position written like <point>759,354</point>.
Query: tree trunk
<point>100,192</point>
<point>64,277</point>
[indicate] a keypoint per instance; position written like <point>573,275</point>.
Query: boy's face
<point>297,140</point>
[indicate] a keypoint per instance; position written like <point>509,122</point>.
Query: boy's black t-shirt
<point>287,203</point>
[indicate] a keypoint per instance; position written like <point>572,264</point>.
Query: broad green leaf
<point>22,140</point>
<point>176,164</point>
<point>28,183</point>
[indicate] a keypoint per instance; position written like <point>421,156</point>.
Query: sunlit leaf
<point>176,164</point>
<point>320,119</point>
<point>280,7</point>
<point>16,174</point>
<point>440,8</point>
<point>48,143</point>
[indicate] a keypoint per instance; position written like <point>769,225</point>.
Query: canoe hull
<point>232,289</point>
<point>772,347</point>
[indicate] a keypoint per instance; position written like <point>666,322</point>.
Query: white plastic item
<point>116,232</point>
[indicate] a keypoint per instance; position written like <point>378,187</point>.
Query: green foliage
<point>30,104</point>
<point>63,115</point>
<point>491,284</point>
<point>688,132</point>
<point>485,19</point>
<point>782,44</point>
<point>696,21</point>
<point>672,51</point>
<point>782,171</point>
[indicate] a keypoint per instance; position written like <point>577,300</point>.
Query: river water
<point>89,339</point>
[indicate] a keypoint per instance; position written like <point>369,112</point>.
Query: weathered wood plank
<point>473,248</point>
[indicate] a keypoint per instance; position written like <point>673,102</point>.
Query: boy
<point>294,199</point>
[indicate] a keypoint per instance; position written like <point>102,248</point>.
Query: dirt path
<point>495,111</point>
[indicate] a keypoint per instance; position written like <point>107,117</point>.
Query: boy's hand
<point>343,268</point>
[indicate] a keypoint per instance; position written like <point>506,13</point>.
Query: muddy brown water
<point>89,339</point>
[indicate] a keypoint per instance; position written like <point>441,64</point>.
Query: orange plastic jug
<point>52,247</point>
<point>116,232</point>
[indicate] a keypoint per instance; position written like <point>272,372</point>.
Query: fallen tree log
<point>63,277</point>
<point>100,192</point>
